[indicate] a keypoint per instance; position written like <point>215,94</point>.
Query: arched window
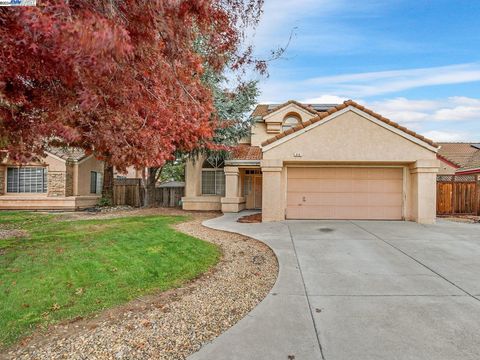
<point>213,177</point>
<point>290,121</point>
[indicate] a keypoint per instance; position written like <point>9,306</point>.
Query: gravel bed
<point>172,324</point>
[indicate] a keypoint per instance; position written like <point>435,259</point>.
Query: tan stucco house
<point>65,179</point>
<point>321,162</point>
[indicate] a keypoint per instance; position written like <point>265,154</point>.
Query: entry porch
<point>243,188</point>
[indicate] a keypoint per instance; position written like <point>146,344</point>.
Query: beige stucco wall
<point>85,166</point>
<point>349,137</point>
<point>446,169</point>
<point>193,199</point>
<point>280,114</point>
<point>275,120</point>
<point>355,140</point>
<point>131,173</point>
<point>259,134</point>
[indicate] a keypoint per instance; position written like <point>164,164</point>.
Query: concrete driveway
<point>361,290</point>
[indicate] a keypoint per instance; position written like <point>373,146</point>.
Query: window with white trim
<point>26,180</point>
<point>96,182</point>
<point>213,177</point>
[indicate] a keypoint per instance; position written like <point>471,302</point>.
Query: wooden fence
<point>128,192</point>
<point>131,192</point>
<point>458,194</point>
<point>168,196</point>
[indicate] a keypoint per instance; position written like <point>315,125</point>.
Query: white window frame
<point>19,186</point>
<point>217,168</point>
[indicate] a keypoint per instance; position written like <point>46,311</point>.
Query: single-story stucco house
<point>65,179</point>
<point>321,162</point>
<point>459,158</point>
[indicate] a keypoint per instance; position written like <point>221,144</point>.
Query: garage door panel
<point>344,193</point>
<point>311,185</point>
<point>361,186</point>
<point>385,213</point>
<point>385,200</point>
<point>311,173</point>
<point>385,186</point>
<point>350,212</point>
<point>351,199</point>
<point>312,199</point>
<point>392,174</point>
<point>294,212</point>
<point>342,185</point>
<point>392,186</point>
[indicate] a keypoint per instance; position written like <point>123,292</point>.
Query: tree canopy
<point>119,78</point>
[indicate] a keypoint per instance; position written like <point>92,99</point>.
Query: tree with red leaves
<point>119,78</point>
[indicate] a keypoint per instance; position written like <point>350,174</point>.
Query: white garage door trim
<point>404,171</point>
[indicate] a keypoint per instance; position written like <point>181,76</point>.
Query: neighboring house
<point>66,179</point>
<point>320,162</point>
<point>459,158</point>
<point>131,173</point>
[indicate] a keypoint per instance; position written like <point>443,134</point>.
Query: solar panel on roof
<point>476,146</point>
<point>318,107</point>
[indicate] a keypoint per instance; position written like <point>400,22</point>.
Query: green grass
<point>66,269</point>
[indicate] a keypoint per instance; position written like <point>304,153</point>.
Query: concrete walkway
<point>361,290</point>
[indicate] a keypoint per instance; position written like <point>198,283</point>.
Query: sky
<point>416,62</point>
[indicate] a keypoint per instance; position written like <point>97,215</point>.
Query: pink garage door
<point>344,193</point>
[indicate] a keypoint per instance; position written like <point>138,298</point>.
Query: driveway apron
<point>361,290</point>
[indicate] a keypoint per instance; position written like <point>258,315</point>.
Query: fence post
<point>477,194</point>
<point>454,197</point>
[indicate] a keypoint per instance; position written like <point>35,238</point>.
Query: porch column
<point>232,202</point>
<point>2,180</point>
<point>272,191</point>
<point>424,191</point>
<point>193,175</point>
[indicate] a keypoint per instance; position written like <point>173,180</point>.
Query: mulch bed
<point>250,219</point>
<point>171,324</point>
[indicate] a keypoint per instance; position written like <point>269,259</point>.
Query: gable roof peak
<point>305,107</point>
<point>322,115</point>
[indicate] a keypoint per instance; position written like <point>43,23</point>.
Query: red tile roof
<point>333,110</point>
<point>473,163</point>
<point>458,153</point>
<point>265,109</point>
<point>260,110</point>
<point>246,152</point>
<point>305,107</point>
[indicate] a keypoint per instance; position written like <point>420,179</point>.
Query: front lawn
<point>65,269</point>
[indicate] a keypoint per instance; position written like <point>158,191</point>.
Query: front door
<point>253,189</point>
<point>257,190</point>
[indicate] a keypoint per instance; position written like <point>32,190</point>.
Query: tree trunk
<point>107,189</point>
<point>149,186</point>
